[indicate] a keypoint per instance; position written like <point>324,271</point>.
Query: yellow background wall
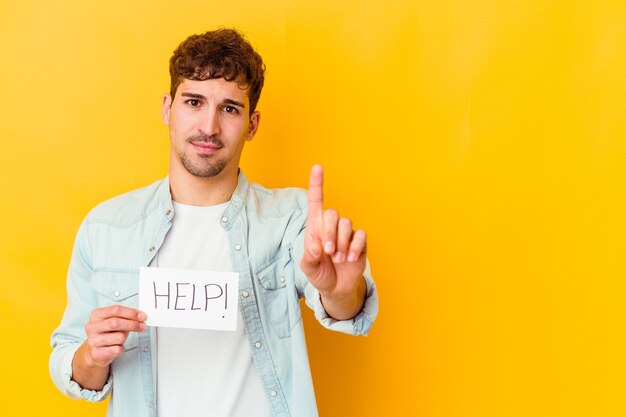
<point>481,144</point>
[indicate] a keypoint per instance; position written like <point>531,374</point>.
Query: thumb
<point>312,256</point>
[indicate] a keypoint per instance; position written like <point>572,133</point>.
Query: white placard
<point>189,299</point>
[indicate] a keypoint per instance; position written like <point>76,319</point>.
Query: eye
<point>231,109</point>
<point>193,102</point>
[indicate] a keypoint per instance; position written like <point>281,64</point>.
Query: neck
<point>198,191</point>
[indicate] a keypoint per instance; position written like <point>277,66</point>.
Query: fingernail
<point>142,326</point>
<point>313,249</point>
<point>141,316</point>
<point>352,257</point>
<point>339,257</point>
<point>329,247</point>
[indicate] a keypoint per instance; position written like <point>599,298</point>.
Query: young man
<point>206,216</point>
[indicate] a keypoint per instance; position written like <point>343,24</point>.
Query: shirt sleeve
<point>358,325</point>
<point>70,334</point>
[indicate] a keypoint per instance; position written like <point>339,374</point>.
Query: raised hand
<point>334,255</point>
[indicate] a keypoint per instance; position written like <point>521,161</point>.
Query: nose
<point>209,123</point>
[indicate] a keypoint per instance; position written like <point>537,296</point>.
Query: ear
<point>255,118</point>
<point>166,107</point>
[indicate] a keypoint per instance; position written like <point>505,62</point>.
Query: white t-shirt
<point>204,372</point>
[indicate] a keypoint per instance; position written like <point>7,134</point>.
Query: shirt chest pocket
<point>279,299</point>
<point>117,288</point>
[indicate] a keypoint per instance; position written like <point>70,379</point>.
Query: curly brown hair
<point>222,53</point>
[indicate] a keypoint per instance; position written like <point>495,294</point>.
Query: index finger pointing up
<point>316,192</point>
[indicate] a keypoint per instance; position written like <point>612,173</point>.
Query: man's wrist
<point>347,305</point>
<point>86,372</point>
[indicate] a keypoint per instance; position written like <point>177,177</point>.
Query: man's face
<point>209,123</point>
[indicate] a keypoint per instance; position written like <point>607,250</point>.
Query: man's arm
<point>71,367</point>
<point>334,257</point>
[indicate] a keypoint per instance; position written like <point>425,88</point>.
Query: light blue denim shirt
<point>266,233</point>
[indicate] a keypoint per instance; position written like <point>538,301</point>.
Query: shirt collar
<point>237,200</point>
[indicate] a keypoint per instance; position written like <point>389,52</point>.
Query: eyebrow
<point>234,102</point>
<point>225,101</point>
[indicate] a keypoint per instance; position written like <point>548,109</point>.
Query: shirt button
<point>146,349</point>
<point>152,249</point>
<point>282,280</point>
<point>167,213</point>
<point>257,345</point>
<point>238,247</point>
<point>224,219</point>
<point>273,393</point>
<point>245,294</point>
<point>116,293</point>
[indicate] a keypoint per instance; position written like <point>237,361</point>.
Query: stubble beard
<point>203,168</point>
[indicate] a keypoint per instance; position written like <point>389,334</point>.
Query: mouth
<point>205,148</point>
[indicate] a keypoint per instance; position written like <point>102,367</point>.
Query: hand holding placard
<point>107,330</point>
